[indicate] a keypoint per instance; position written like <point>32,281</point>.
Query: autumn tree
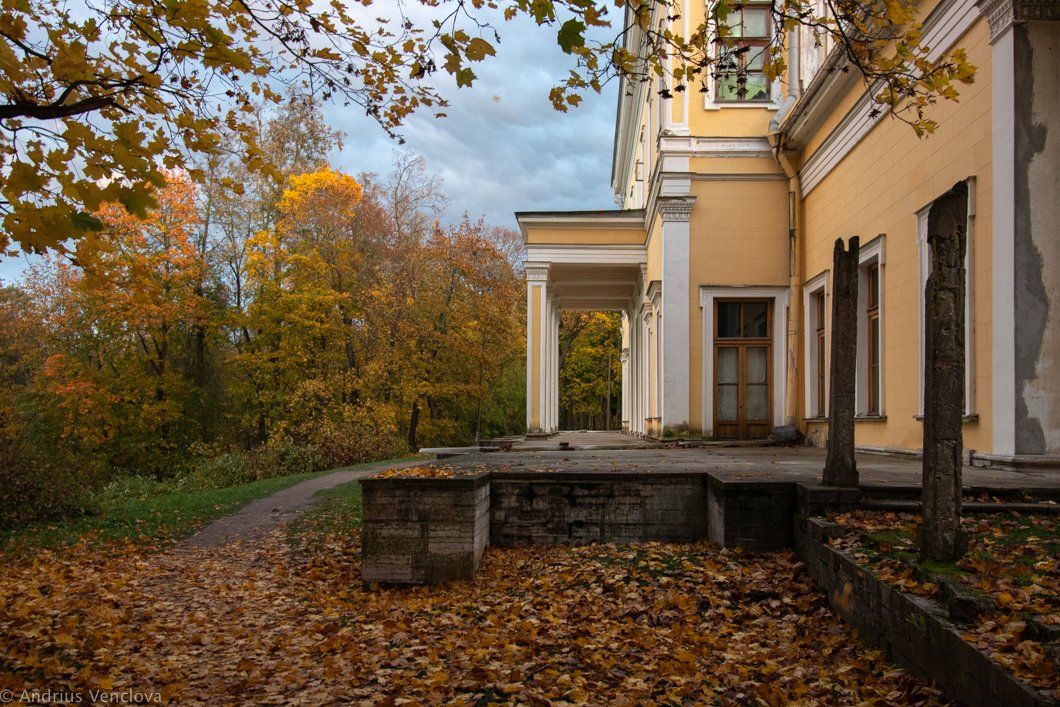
<point>98,103</point>
<point>302,275</point>
<point>296,139</point>
<point>123,323</point>
<point>451,321</point>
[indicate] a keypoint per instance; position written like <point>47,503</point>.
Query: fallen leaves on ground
<point>1014,559</point>
<point>434,471</point>
<point>269,622</point>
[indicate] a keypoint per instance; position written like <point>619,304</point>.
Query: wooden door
<point>743,362</point>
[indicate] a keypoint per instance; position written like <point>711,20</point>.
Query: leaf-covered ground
<point>285,619</point>
<point>1012,559</point>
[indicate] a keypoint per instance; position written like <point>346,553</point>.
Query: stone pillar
<point>636,377</point>
<point>1025,118</point>
<point>649,367</point>
<point>626,336</point>
<point>546,379</point>
<point>676,223</point>
<point>554,378</point>
<point>536,334</point>
<point>941,538</point>
<point>840,468</point>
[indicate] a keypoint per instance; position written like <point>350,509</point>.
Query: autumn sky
<point>502,147</point>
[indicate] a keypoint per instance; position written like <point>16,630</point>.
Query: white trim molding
<point>589,254</point>
<point>698,146</point>
<point>946,24</point>
<point>780,297</point>
<point>872,253</point>
<point>819,285</point>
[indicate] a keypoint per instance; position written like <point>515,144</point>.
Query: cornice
<point>632,219</point>
<point>676,210</point>
<point>700,146</point>
<point>536,272</point>
<point>1002,14</point>
<point>943,27</point>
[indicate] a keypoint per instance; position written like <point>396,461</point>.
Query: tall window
<point>969,299</point>
<point>871,375</point>
<point>815,324</point>
<point>741,60</point>
<point>872,312</point>
<point>818,300</point>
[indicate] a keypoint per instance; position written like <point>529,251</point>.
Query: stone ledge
<point>914,632</point>
<point>531,508</point>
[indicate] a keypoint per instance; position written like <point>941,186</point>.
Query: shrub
<point>358,434</point>
<point>133,488</point>
<point>280,457</point>
<point>218,472</point>
<point>35,486</point>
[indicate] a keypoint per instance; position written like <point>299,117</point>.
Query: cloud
<point>502,148</point>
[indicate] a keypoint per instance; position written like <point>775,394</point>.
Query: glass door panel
<point>742,362</point>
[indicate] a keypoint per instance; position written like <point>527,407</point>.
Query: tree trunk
<point>941,538</point>
<point>414,422</point>
<point>840,468</point>
<point>478,406</point>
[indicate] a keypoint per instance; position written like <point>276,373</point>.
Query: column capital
<point>536,272</point>
<point>653,295</point>
<point>1002,14</point>
<point>679,210</point>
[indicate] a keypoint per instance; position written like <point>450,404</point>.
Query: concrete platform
<point>738,464</point>
<point>424,530</point>
<point>584,439</point>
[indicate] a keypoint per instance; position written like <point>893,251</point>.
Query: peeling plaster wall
<point>1037,238</point>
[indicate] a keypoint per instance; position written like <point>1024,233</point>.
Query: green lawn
<point>158,514</point>
<point>337,511</point>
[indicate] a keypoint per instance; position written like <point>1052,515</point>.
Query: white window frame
<point>780,298</point>
<point>775,89</point>
<point>924,269</point>
<point>871,253</point>
<point>819,285</point>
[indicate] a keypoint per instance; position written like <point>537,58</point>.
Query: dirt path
<point>258,517</point>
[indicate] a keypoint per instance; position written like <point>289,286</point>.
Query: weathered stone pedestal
<point>424,530</point>
<point>754,515</point>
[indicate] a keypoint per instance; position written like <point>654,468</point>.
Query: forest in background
<point>255,325</point>
<point>590,370</point>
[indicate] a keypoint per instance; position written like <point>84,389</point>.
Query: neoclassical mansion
<point>719,255</point>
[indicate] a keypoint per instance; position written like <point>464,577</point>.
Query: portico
<point>590,261</point>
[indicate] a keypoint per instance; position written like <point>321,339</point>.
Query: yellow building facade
<point>719,256</point>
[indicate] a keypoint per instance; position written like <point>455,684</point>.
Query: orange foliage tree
<point>122,323</point>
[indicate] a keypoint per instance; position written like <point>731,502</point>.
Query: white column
<point>553,380</point>
<point>1003,126</point>
<point>649,365</point>
<point>625,370</point>
<point>546,422</point>
<point>536,333</point>
<point>635,373</point>
<point>676,223</point>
